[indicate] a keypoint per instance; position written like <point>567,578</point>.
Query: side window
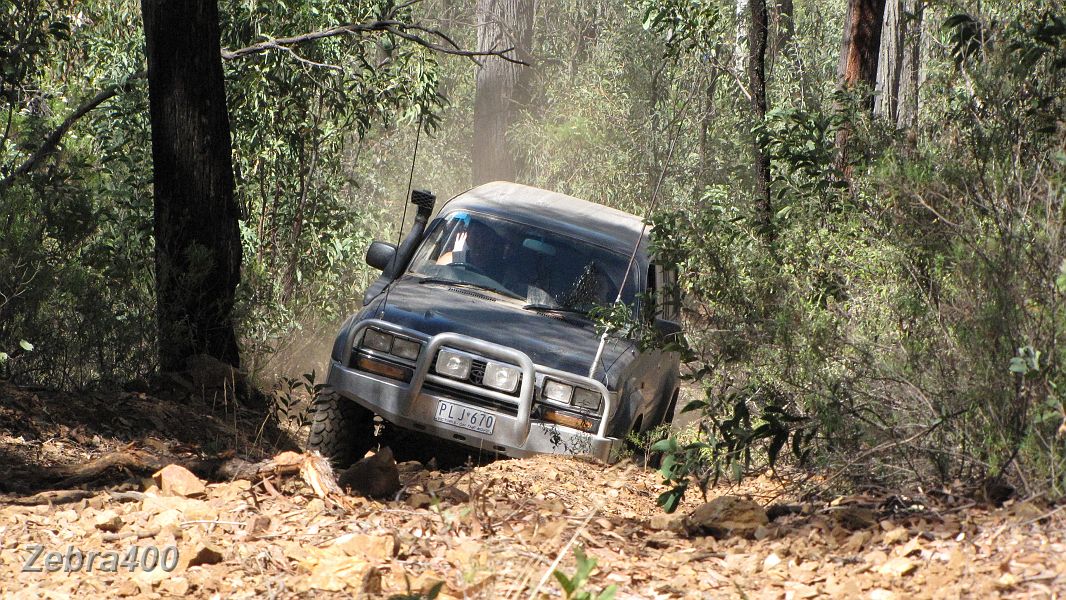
<point>653,291</point>
<point>666,293</point>
<point>673,291</point>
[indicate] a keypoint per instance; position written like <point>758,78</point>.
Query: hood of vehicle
<point>557,340</point>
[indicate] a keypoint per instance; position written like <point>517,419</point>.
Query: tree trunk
<point>757,79</point>
<point>740,42</point>
<point>912,40</point>
<point>861,44</point>
<point>502,87</point>
<point>197,243</point>
<point>858,63</point>
<point>889,63</point>
<point>783,26</point>
<point>898,69</point>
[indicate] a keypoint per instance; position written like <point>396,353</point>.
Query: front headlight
<point>558,391</point>
<point>405,348</point>
<point>453,364</point>
<point>501,377</point>
<point>377,340</point>
<point>587,399</point>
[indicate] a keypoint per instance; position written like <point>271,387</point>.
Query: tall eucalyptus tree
<point>197,242</point>
<point>501,86</point>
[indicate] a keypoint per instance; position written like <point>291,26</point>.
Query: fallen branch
<point>50,497</point>
<point>140,535</point>
<point>124,461</point>
<point>126,496</point>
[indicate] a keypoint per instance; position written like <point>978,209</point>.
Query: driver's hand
<point>452,256</point>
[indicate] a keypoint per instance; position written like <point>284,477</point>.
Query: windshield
<point>547,270</point>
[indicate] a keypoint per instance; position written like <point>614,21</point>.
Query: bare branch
<point>397,28</point>
<point>311,62</point>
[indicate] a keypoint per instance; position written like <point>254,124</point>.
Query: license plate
<point>464,416</point>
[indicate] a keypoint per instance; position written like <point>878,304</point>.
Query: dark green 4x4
<point>478,332</point>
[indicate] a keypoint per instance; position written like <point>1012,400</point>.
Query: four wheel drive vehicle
<point>478,331</point>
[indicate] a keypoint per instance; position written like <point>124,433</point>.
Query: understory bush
<point>907,328</point>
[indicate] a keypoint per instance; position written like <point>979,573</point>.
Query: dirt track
<point>497,530</point>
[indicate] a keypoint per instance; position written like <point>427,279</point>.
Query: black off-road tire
<point>341,430</point>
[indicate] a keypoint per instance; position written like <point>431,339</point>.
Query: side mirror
<point>667,329</point>
<point>380,254</point>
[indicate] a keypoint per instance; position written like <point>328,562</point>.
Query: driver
<point>473,245</point>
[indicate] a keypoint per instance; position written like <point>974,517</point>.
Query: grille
<point>477,372</point>
<point>477,376</point>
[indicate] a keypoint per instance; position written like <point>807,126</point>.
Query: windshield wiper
<point>452,282</point>
<point>554,308</point>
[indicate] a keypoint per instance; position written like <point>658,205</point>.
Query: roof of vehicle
<point>599,224</point>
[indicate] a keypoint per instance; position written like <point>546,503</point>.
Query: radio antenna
<point>655,197</point>
<point>406,197</point>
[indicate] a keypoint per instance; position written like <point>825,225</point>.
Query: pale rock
<point>176,586</point>
<point>897,567</point>
<point>176,480</point>
<point>894,536</point>
<point>771,561</point>
<point>127,587</point>
<point>288,459</point>
<point>371,547</point>
<point>108,520</point>
<point>70,515</point>
<point>662,522</point>
<point>1007,580</point>
<point>168,518</point>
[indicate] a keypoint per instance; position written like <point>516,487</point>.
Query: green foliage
<point>728,442</point>
<point>574,585</point>
<point>305,227</point>
<point>292,396</point>
<point>685,25</point>
<point>916,292</point>
<point>78,235</point>
<point>78,229</point>
<point>920,303</point>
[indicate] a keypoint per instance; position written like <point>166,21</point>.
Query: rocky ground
<point>278,529</point>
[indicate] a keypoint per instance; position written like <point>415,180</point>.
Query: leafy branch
<point>427,37</point>
<point>51,141</point>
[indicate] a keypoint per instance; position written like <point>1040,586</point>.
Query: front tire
<point>341,430</point>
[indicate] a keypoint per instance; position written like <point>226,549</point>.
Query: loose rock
<point>176,480</point>
<point>727,515</point>
<point>374,476</point>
